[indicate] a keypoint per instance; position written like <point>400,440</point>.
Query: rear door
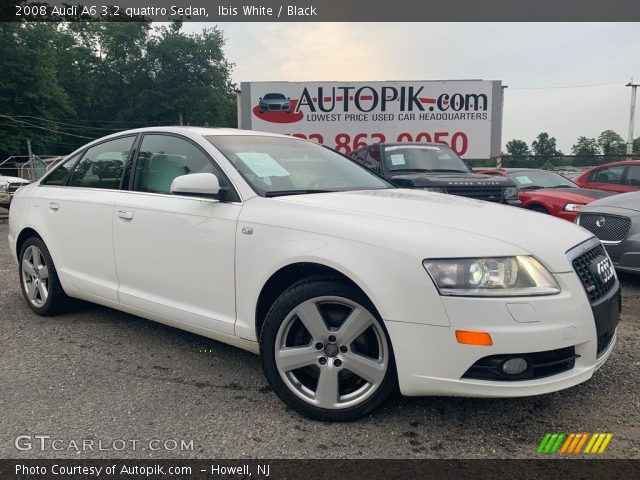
<point>175,254</point>
<point>77,201</point>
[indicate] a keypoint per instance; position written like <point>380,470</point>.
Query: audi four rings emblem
<point>601,221</point>
<point>605,270</point>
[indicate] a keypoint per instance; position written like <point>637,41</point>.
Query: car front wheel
<point>39,280</point>
<point>325,351</point>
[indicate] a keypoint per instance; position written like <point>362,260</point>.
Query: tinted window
<point>633,176</point>
<point>607,175</point>
<point>163,158</point>
<point>58,176</point>
<point>281,166</point>
<point>102,165</point>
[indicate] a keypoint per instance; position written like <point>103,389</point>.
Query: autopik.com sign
<point>464,114</point>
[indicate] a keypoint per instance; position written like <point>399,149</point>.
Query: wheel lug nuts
<point>332,338</point>
<point>337,362</point>
<point>343,349</point>
<point>323,361</point>
<point>319,346</point>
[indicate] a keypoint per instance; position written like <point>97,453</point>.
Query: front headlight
<point>492,277</point>
<point>4,186</point>
<point>510,193</point>
<point>573,207</point>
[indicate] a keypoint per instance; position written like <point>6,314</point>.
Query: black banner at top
<point>323,10</point>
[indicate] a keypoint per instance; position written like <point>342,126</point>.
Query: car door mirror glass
<point>196,184</point>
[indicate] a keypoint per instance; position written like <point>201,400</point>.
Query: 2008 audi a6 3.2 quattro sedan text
<point>346,285</point>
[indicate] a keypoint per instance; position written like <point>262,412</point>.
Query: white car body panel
<point>222,254</point>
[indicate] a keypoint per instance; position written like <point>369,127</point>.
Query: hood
<point>569,194</point>
<point>448,179</point>
<point>5,179</point>
<point>427,224</point>
<point>627,201</point>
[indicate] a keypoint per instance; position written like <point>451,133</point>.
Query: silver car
<point>616,222</point>
<point>274,102</point>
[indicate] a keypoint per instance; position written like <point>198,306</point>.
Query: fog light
<point>515,366</point>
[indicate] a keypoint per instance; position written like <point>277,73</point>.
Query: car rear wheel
<point>39,280</point>
<point>325,351</point>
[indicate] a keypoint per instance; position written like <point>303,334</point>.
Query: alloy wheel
<point>35,276</point>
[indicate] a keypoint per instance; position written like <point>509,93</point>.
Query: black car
<point>616,222</point>
<point>434,167</point>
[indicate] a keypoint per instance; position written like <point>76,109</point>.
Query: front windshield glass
<point>433,158</point>
<point>275,166</point>
<point>530,179</point>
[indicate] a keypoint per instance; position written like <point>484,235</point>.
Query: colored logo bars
<point>574,443</point>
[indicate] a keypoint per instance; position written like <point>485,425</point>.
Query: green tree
<point>636,146</point>
<point>518,148</point>
<point>585,147</point>
<point>545,146</point>
<point>611,143</point>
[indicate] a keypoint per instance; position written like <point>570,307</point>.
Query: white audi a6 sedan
<point>346,285</point>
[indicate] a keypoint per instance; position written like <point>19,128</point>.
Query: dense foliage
<point>65,83</point>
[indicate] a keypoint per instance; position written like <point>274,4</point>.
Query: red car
<point>616,177</point>
<point>549,192</point>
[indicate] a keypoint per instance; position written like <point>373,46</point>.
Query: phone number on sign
<point>345,143</point>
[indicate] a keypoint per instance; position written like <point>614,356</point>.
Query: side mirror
<point>196,184</point>
<point>260,98</point>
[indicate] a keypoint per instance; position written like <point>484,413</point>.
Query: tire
<point>539,209</point>
<point>39,280</point>
<point>319,341</point>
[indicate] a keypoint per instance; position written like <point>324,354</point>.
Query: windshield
<point>432,158</point>
<point>274,96</point>
<point>275,166</point>
<point>540,179</point>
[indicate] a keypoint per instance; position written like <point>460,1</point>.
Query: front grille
<point>14,186</point>
<point>608,228</point>
<point>592,283</point>
<point>541,364</point>
<point>488,193</point>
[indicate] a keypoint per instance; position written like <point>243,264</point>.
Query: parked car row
<point>8,186</point>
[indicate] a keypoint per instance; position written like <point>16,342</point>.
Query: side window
<point>59,175</point>
<point>607,175</point>
<point>633,176</point>
<point>163,158</point>
<point>102,165</point>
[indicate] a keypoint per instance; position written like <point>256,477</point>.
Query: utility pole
<point>632,116</point>
<point>180,118</point>
<point>29,148</point>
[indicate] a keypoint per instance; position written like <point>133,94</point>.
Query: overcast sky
<point>525,56</point>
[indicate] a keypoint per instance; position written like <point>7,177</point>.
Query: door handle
<point>125,215</point>
<point>54,206</point>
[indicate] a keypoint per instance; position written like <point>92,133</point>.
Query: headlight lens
<point>493,277</point>
<point>511,193</point>
<point>573,207</point>
<point>4,186</point>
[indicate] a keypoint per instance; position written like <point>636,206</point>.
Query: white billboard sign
<point>464,114</point>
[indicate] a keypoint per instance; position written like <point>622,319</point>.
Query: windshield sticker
<point>397,159</point>
<point>412,146</point>
<point>524,180</point>
<point>262,164</point>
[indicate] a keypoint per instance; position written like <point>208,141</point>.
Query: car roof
<point>617,164</point>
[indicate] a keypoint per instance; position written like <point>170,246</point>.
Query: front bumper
<point>431,362</point>
<point>5,199</point>
<point>626,254</point>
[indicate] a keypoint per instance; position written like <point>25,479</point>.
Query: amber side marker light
<point>482,339</point>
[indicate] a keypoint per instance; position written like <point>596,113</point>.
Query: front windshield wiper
<point>281,193</point>
<point>449,170</point>
<point>530,187</point>
<point>561,186</point>
<point>410,170</point>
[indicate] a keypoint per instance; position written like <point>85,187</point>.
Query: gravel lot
<point>96,373</point>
